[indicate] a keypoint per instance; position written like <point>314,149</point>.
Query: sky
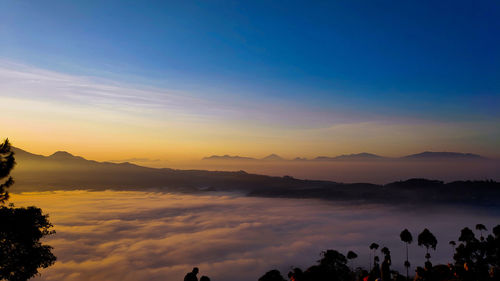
<point>174,81</point>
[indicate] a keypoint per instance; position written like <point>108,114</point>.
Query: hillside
<point>63,170</point>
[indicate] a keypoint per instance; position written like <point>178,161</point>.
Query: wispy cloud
<point>31,83</point>
<point>155,236</point>
<point>76,108</point>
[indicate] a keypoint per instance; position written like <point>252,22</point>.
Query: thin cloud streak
<point>176,122</point>
<point>24,82</point>
<point>31,83</point>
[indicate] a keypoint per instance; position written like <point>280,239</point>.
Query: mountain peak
<point>227,157</point>
<point>64,155</point>
<point>61,155</point>
<point>272,157</point>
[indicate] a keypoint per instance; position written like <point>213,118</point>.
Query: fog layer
<point>110,235</point>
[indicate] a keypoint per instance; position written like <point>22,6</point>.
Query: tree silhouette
<point>272,275</point>
<point>332,266</point>
<point>296,274</point>
<point>475,256</point>
<point>386,265</point>
<point>374,247</point>
<point>466,251</point>
<point>428,240</point>
<point>7,163</point>
<point>453,245</point>
<point>496,231</point>
<point>475,260</point>
<point>493,248</point>
<point>481,228</point>
<point>467,236</point>
<point>375,272</point>
<point>407,238</point>
<point>351,256</point>
<point>21,252</point>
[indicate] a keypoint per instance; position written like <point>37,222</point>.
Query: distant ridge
<point>56,156</point>
<point>442,156</point>
<point>229,157</point>
<point>364,156</point>
<point>64,171</point>
<point>24,153</point>
<point>358,156</point>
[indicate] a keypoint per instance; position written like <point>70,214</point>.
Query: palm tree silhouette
<point>374,247</point>
<point>407,238</point>
<point>428,240</point>
<point>386,264</point>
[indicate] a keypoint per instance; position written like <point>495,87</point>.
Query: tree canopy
<point>21,229</point>
<point>406,236</point>
<point>7,163</point>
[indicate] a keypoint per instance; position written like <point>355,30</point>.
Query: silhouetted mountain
<point>358,156</point>
<point>272,157</point>
<point>229,157</point>
<point>19,153</point>
<point>62,155</point>
<point>364,156</point>
<point>65,171</point>
<point>428,155</point>
<point>66,156</point>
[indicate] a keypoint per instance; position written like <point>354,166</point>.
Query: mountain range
<point>64,171</point>
<point>364,156</point>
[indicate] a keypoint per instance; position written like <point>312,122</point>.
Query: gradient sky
<point>175,81</point>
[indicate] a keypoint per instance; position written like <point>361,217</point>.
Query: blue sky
<point>424,60</point>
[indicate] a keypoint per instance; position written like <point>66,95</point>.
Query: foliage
<point>21,253</point>
<point>21,229</point>
<point>427,239</point>
<point>406,236</point>
<point>481,228</point>
<point>475,260</point>
<point>7,163</point>
<point>351,255</point>
<point>272,275</point>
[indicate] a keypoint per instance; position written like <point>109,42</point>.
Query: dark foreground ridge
<point>65,171</point>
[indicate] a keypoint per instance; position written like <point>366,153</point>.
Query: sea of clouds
<point>130,236</point>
